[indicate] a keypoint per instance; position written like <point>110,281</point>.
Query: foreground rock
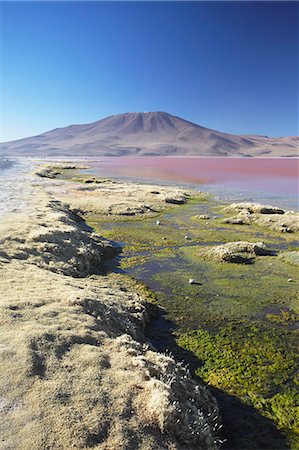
<point>178,199</point>
<point>238,252</point>
<point>76,368</point>
<point>55,239</point>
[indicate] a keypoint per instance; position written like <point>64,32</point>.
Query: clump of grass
<point>285,317</point>
<point>129,262</point>
<point>141,289</point>
<point>291,257</point>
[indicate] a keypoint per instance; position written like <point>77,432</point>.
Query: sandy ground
<point>76,369</point>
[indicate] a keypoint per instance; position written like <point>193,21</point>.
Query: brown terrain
<point>147,134</point>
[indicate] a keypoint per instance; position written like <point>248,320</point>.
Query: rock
<point>187,237</point>
<point>237,258</point>
<point>254,208</point>
<point>266,216</point>
<point>202,216</point>
<point>158,222</point>
<point>238,252</point>
<point>89,180</point>
<point>148,208</point>
<point>290,280</point>
<point>271,210</point>
<point>63,246</point>
<point>234,221</point>
<point>130,211</point>
<point>47,172</point>
<point>192,281</point>
<point>155,192</point>
<point>176,200</point>
<point>285,229</point>
<point>51,171</point>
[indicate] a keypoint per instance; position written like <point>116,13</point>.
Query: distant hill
<point>147,134</point>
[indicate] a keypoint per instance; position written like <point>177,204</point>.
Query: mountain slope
<point>147,134</point>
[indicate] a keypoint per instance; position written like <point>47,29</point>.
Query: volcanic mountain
<point>147,134</point>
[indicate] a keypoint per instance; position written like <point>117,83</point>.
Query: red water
<point>275,175</point>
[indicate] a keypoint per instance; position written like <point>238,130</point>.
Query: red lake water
<point>257,178</point>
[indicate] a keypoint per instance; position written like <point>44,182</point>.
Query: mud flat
<point>77,370</point>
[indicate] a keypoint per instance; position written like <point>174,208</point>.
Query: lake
<point>274,180</point>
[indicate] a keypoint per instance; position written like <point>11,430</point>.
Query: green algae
<point>291,257</point>
<point>141,289</point>
<point>283,317</point>
<point>229,292</point>
<point>132,261</point>
<point>255,363</point>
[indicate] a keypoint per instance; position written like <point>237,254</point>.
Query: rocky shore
<point>76,368</point>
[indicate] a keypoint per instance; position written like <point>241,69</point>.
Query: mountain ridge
<point>155,133</point>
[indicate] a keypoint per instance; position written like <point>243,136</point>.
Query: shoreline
<point>232,179</point>
<point>222,188</point>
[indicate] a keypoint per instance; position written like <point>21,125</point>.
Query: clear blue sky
<point>230,66</point>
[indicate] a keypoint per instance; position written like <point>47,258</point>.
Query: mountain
<point>147,134</point>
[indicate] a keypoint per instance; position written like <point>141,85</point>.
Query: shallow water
<point>274,180</point>
<point>13,177</point>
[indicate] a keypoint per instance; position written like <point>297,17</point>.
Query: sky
<point>229,66</point>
